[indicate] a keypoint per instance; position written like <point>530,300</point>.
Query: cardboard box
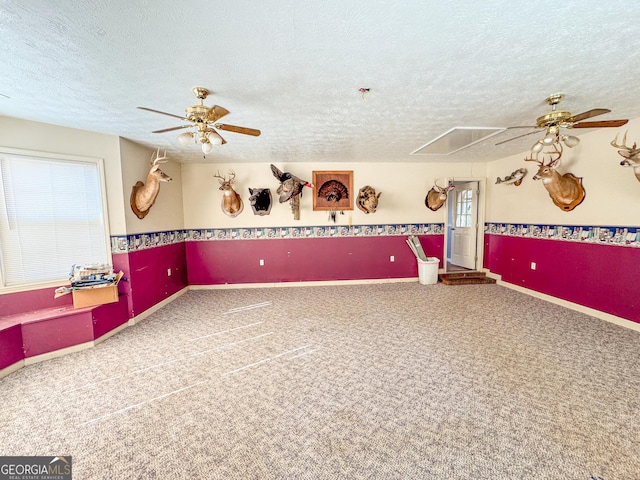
<point>88,297</point>
<point>98,295</point>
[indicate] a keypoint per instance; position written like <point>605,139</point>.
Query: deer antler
<point>614,143</point>
<point>217,175</point>
<point>232,175</point>
<point>159,159</point>
<point>531,159</point>
<point>553,162</point>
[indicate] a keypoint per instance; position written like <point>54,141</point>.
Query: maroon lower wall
<point>602,277</point>
<point>18,302</point>
<point>304,260</point>
<point>146,271</point>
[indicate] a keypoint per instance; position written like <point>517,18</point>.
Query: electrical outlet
<point>168,272</point>
<point>261,262</point>
<point>533,265</point>
<point>392,259</point>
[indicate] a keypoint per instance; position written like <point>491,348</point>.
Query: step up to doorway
<point>465,278</point>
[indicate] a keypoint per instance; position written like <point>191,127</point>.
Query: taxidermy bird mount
<point>290,189</point>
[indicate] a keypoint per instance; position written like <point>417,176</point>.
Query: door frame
<point>482,184</point>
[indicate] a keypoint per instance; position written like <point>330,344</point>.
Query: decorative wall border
<point>620,236</point>
<point>331,231</point>
<point>141,241</point>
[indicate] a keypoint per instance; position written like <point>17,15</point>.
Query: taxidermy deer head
<point>566,190</point>
<point>231,202</point>
<point>631,155</point>
<point>143,195</point>
<point>367,199</point>
<point>437,196</point>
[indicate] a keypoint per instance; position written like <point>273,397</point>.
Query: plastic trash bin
<point>428,270</point>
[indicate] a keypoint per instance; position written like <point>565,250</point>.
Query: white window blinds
<point>51,217</point>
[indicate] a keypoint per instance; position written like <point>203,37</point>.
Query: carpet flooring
<point>379,381</point>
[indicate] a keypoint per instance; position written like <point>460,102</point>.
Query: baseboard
<point>157,306</point>
<point>11,368</point>
<point>301,284</point>
<point>607,317</point>
<point>111,333</point>
<point>57,353</point>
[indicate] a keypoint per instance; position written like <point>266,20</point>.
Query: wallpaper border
<point>142,241</point>
<point>601,235</point>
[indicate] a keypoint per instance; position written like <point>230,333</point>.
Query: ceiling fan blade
<point>163,113</point>
<point>587,114</point>
<point>216,112</point>
<point>233,128</point>
<point>602,124</point>
<point>519,136</point>
<point>171,129</point>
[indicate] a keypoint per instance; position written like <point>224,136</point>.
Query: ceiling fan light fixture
<point>570,141</point>
<point>537,147</point>
<point>185,138</point>
<point>207,147</point>
<point>550,139</point>
<point>214,138</point>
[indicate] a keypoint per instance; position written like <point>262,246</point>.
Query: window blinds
<point>51,217</point>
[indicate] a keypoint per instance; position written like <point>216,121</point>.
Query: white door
<point>464,229</point>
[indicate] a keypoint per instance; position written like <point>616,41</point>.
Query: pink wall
<point>303,260</point>
<point>602,277</point>
<point>146,271</point>
<point>49,335</point>
<point>10,344</point>
<point>18,302</point>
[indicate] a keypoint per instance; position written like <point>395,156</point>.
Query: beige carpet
<point>386,381</point>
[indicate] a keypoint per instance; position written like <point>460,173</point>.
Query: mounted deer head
<point>631,155</point>
<point>437,196</point>
<point>143,195</point>
<point>566,190</point>
<point>231,202</point>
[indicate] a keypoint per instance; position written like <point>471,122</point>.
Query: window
<point>464,208</point>
<point>52,216</point>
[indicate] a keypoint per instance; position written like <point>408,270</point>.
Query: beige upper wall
<point>193,199</point>
<point>403,186</point>
<point>41,137</point>
<point>612,191</point>
<point>166,213</point>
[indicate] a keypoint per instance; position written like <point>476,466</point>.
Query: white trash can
<point>428,270</point>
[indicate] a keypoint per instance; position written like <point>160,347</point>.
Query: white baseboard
<point>157,306</point>
<point>301,284</point>
<point>57,353</point>
<point>111,333</point>
<point>607,317</point>
<point>11,368</point>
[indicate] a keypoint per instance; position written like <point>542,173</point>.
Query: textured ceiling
<point>294,69</point>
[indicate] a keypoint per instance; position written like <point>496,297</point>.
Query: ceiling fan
<point>203,119</point>
<point>556,119</point>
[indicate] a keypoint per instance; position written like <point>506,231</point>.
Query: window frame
<point>63,157</point>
